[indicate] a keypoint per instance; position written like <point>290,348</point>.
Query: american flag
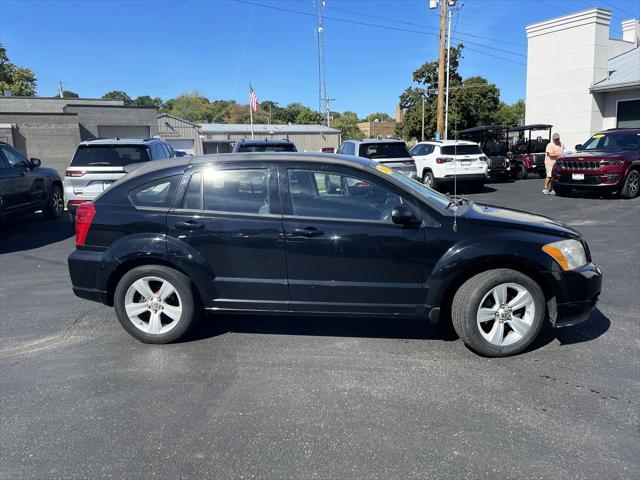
<point>253,99</point>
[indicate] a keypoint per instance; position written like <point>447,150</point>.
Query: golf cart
<point>493,142</point>
<point>527,144</point>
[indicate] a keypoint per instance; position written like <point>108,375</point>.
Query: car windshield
<point>613,142</point>
<point>276,147</point>
<point>430,195</point>
<point>461,150</point>
<point>109,155</point>
<point>380,151</point>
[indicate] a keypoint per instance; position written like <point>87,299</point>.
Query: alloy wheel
<point>58,202</point>
<point>634,183</point>
<point>505,314</point>
<point>153,305</point>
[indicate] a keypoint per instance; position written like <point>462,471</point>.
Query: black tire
<point>72,217</point>
<point>187,300</point>
<point>55,203</point>
<point>429,179</point>
<point>631,187</point>
<point>466,303</point>
<point>562,191</point>
<point>521,172</point>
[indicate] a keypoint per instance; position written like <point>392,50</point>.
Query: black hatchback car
<point>26,186</point>
<point>323,234</point>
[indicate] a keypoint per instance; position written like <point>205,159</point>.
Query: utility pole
<point>323,99</point>
<point>443,24</point>
<point>446,108</point>
<point>423,95</point>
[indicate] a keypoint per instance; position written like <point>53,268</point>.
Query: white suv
<point>98,163</point>
<point>438,163</point>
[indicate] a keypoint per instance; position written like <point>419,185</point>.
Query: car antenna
<point>455,173</point>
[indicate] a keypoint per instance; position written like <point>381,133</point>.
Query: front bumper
<point>577,293</point>
<point>590,181</point>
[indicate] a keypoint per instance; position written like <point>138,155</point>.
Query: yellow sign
<point>383,169</point>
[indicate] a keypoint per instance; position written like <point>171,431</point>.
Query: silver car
<point>98,163</point>
<point>390,152</point>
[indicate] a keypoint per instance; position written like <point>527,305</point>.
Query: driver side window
<point>13,157</point>
<point>324,194</point>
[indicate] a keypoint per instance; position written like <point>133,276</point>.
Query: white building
<point>579,79</point>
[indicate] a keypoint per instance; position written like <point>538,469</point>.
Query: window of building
<point>629,114</point>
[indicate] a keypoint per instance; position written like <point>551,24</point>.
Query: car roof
<point>264,142</point>
<point>376,140</point>
<point>484,128</point>
<point>445,143</point>
<point>120,141</point>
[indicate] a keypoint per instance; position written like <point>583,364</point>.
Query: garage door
<point>112,131</point>
<point>185,146</point>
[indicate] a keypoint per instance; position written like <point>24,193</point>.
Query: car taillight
<point>444,159</point>
<point>74,173</point>
<point>482,158</point>
<point>84,217</point>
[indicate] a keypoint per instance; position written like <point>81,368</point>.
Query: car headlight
<point>569,254</point>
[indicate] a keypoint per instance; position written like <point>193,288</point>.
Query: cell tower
<point>323,100</point>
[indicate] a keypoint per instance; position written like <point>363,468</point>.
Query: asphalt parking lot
<point>274,397</point>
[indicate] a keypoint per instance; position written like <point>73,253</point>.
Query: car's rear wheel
<point>498,312</point>
<point>155,304</point>
<point>55,204</point>
<point>428,179</point>
<point>521,172</point>
<point>631,185</point>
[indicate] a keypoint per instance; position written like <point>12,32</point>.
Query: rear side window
<point>278,147</point>
<point>461,150</point>
<point>109,155</point>
<point>193,196</point>
<point>237,191</point>
<point>381,150</point>
<point>158,194</point>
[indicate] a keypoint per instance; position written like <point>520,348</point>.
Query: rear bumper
<point>464,178</point>
<point>88,272</point>
<point>577,293</point>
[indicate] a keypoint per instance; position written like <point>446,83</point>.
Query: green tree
<point>425,86</point>
<point>69,94</point>
<point>382,117</point>
<point>308,117</point>
<point>19,81</point>
<point>147,101</point>
<point>510,114</point>
<point>347,123</point>
<point>193,107</point>
<point>118,95</point>
<point>473,103</point>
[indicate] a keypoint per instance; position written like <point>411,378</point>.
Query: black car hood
<point>507,218</point>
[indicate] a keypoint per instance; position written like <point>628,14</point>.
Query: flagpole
<point>250,110</point>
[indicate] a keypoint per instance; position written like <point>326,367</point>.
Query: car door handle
<point>189,225</point>
<point>308,232</point>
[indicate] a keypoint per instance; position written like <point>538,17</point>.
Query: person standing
<point>554,150</point>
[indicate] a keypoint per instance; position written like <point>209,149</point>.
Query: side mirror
<point>35,162</point>
<point>578,148</point>
<point>403,215</point>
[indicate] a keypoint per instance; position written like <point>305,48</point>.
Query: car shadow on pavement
<point>595,326</point>
<point>33,231</point>
<point>213,325</point>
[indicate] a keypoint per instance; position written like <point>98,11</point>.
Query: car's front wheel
<point>155,304</point>
<point>498,312</point>
<point>631,185</point>
<point>55,204</point>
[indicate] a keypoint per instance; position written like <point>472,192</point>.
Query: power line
<point>404,22</point>
<point>385,27</point>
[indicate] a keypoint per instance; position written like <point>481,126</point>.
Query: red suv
<point>609,161</point>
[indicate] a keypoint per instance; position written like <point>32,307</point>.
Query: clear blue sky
<point>164,48</point>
